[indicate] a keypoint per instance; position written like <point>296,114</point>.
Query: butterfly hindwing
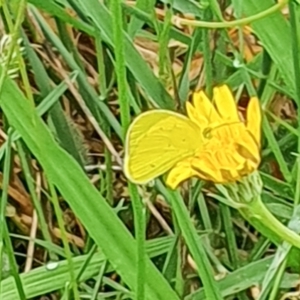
<point>156,141</point>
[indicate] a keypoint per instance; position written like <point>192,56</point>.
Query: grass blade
<point>109,233</point>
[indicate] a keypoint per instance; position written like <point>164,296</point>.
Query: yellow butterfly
<point>156,141</point>
<point>212,142</point>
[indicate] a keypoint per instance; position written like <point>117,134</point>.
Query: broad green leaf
<point>107,230</point>
<point>54,275</point>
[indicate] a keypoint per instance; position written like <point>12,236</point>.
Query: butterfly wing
<point>156,141</point>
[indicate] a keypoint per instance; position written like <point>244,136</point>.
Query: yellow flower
<point>231,146</point>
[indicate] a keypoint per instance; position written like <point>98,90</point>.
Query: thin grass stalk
<point>89,257</point>
<point>68,42</point>
<point>4,234</point>
<point>64,238</point>
<point>295,53</point>
<point>98,281</point>
<point>4,197</point>
<point>139,224</point>
<point>101,66</point>
<point>275,287</point>
<point>36,202</point>
<point>204,212</point>
<point>13,264</point>
<point>103,91</point>
<point>232,247</point>
<point>195,246</point>
<point>15,32</point>
<point>14,43</point>
<point>259,249</point>
<point>268,132</point>
<point>163,51</point>
<point>108,177</point>
<point>230,236</point>
<point>208,68</point>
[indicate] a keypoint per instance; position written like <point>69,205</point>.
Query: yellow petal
<point>250,166</point>
<point>195,116</point>
<point>205,108</point>
<point>229,159</point>
<point>206,168</point>
<point>225,103</point>
<point>254,119</point>
<point>248,147</point>
<point>230,175</point>
<point>179,173</point>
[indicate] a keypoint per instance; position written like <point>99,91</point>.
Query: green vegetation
<point>73,75</point>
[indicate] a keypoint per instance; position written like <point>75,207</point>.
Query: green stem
<point>236,23</point>
<point>260,217</point>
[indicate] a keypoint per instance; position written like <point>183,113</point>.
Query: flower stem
<point>261,218</point>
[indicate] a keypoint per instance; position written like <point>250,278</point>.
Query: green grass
<point>81,81</point>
